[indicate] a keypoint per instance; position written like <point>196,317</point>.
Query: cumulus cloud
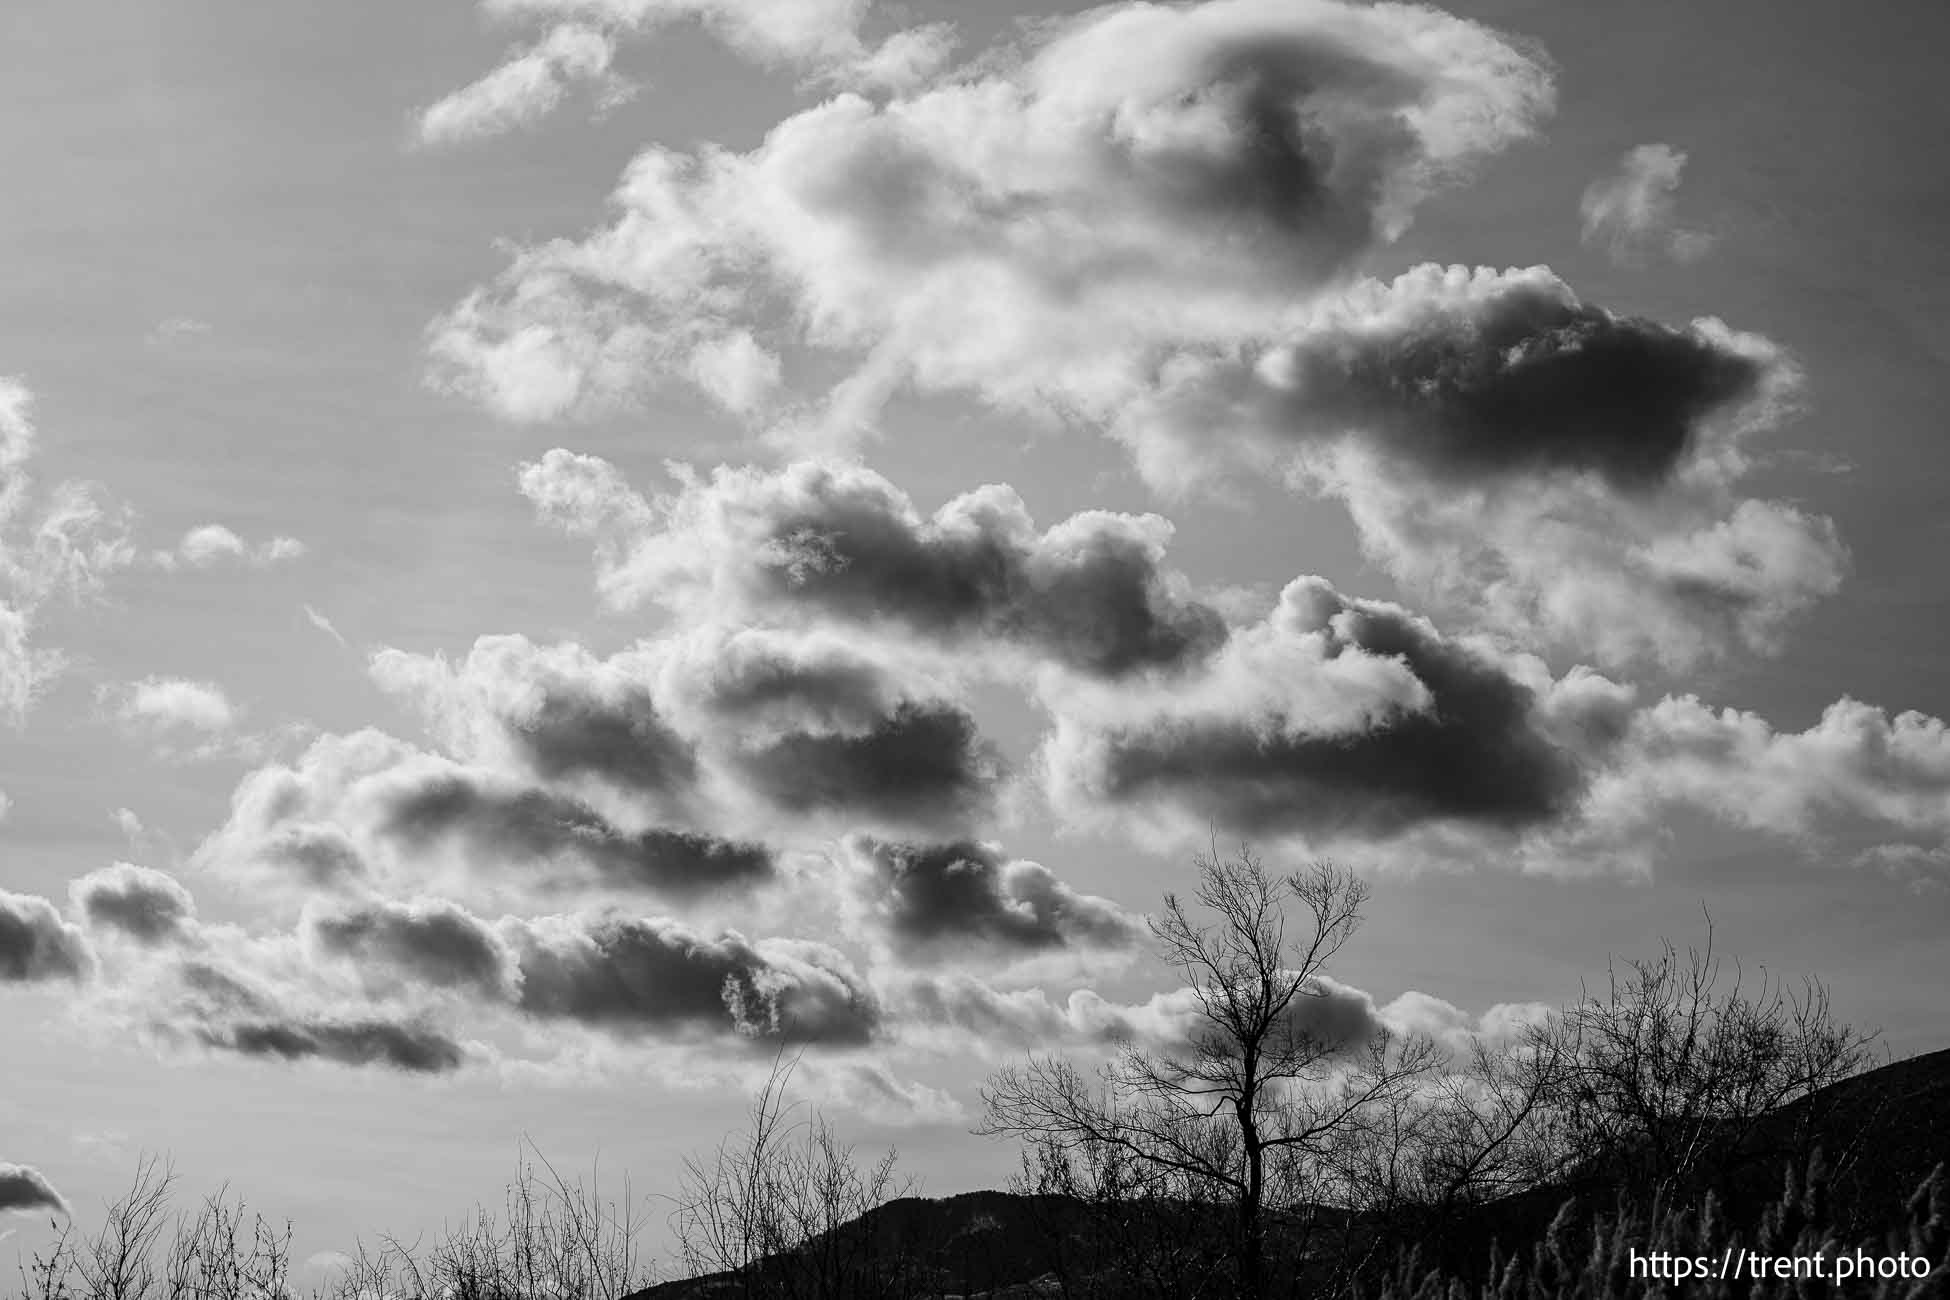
<point>1152,219</point>
<point>812,727</point>
<point>1331,717</point>
<point>822,37</point>
<point>170,703</point>
<point>800,724</point>
<point>25,1190</point>
<point>61,541</point>
<point>529,86</point>
<point>1631,212</point>
<point>219,1005</point>
<point>209,546</point>
<point>841,542</point>
<point>367,810</point>
<point>1336,1016</point>
<point>1340,723</point>
<point>1855,767</point>
<point>636,975</point>
<point>558,712</point>
<point>410,1048</point>
<point>430,942</point>
<point>493,824</point>
<point>942,900</point>
<point>37,945</point>
<point>1137,174</point>
<point>148,906</point>
<point>1471,376</point>
<point>1550,468</point>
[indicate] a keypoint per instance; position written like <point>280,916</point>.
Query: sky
<point>552,548</point>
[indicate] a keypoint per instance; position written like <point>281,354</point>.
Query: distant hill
<point>1884,1130</point>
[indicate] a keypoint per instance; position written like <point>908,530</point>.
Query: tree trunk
<point>1251,1238</point>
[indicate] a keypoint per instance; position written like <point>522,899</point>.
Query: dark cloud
<point>939,898</point>
<point>658,976</point>
<point>921,763</point>
<point>842,542</point>
<point>431,942</point>
<point>323,855</point>
<point>36,944</point>
<point>622,740</point>
<point>523,826</point>
<point>1472,749</point>
<point>1091,597</point>
<point>24,1190</point>
<point>1315,131</point>
<point>412,1048</point>
<point>1470,377</point>
<point>561,714</point>
<point>226,1010</point>
<point>147,906</point>
<point>803,721</point>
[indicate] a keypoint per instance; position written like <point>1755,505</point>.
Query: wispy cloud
<point>1633,213</point>
<point>324,624</point>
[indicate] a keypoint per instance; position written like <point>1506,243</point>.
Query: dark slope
<point>1882,1133</point>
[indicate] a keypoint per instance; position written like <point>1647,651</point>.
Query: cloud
<point>1631,213</point>
<point>210,545</point>
<point>1029,229</point>
<point>1152,219</point>
<point>409,1048</point>
<point>495,826</point>
<point>810,726</point>
<point>219,1006</point>
<point>148,906</point>
<point>526,88</point>
<point>931,901</point>
<point>432,942</point>
<point>175,329</point>
<point>558,713</point>
<point>841,542</point>
<point>324,625</point>
<point>59,542</point>
<point>716,722</point>
<point>1455,1029</point>
<point>367,811</point>
<point>1465,377</point>
<point>1855,767</point>
<point>960,1006</point>
<point>823,37</point>
<point>1555,471</point>
<point>171,703</point>
<point>1332,717</point>
<point>36,945</point>
<point>25,1190</point>
<point>638,975</point>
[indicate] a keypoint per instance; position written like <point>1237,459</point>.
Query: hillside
<point>1883,1130</point>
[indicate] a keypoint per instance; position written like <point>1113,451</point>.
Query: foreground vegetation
<point>1268,1151</point>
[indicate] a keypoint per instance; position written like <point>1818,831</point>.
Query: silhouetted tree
<point>1673,1068</point>
<point>776,1207</point>
<point>1247,1108</point>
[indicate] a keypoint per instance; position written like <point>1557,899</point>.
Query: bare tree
<point>1247,1108</point>
<point>1675,1066</point>
<point>1110,1226</point>
<point>217,1254</point>
<point>556,1239</point>
<point>779,1207</point>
